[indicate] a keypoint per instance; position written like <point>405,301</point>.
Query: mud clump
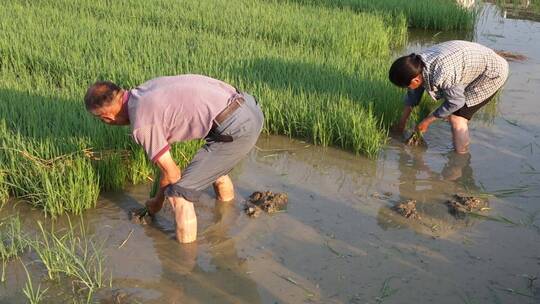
<point>115,296</point>
<point>511,56</point>
<point>265,201</point>
<point>460,205</point>
<point>416,140</point>
<point>407,209</point>
<point>140,216</point>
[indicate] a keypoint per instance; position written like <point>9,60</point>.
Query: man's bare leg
<point>460,133</point>
<point>185,218</point>
<point>224,189</point>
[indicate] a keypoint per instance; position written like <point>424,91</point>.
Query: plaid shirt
<point>461,72</point>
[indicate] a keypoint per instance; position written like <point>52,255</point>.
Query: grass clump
<point>75,256</point>
<point>68,254</point>
<point>63,184</point>
<point>34,296</point>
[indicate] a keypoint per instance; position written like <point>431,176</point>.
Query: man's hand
<point>399,127</point>
<point>170,174</point>
<point>423,126</point>
<point>154,204</point>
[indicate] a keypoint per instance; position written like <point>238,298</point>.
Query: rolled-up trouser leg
<point>460,133</point>
<point>216,159</point>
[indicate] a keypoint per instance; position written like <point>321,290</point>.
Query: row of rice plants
<point>426,14</point>
<point>320,74</point>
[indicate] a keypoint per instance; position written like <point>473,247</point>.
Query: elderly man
<point>165,110</point>
<point>465,74</point>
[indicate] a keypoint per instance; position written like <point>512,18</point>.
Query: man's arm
<point>412,99</point>
<point>170,174</point>
<point>400,126</point>
<point>454,100</point>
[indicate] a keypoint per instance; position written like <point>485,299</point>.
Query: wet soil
<point>266,201</point>
<point>416,139</point>
<point>140,216</point>
<point>407,209</point>
<point>511,56</point>
<point>462,204</point>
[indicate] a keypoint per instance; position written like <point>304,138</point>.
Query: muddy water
<point>340,241</point>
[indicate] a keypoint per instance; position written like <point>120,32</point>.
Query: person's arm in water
<point>170,174</point>
<point>454,100</point>
<point>412,99</point>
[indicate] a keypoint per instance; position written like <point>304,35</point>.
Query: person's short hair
<point>404,69</point>
<point>100,94</point>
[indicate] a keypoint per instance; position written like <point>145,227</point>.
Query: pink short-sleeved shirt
<point>169,109</point>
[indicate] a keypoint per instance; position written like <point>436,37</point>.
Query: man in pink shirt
<point>165,110</point>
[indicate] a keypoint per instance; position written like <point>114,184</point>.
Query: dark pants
<point>468,112</point>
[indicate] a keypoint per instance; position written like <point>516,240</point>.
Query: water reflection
<point>210,270</point>
<point>430,188</point>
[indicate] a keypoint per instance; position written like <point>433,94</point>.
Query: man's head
<point>406,72</point>
<point>104,100</point>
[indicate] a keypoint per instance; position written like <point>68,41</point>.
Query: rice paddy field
<point>319,69</point>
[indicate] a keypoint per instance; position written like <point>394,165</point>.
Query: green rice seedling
<point>75,256</point>
<point>110,170</point>
<point>386,291</point>
<point>33,296</point>
<point>69,184</point>
<point>4,188</point>
<point>13,241</point>
<point>141,170</point>
<point>155,183</point>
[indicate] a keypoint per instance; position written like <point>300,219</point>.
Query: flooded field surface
<point>340,238</point>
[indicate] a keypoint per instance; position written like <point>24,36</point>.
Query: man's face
<point>111,114</point>
<point>416,82</point>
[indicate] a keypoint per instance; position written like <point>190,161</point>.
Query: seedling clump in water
<point>140,216</point>
<point>407,209</point>
<point>265,201</point>
<point>460,205</point>
<point>416,140</point>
